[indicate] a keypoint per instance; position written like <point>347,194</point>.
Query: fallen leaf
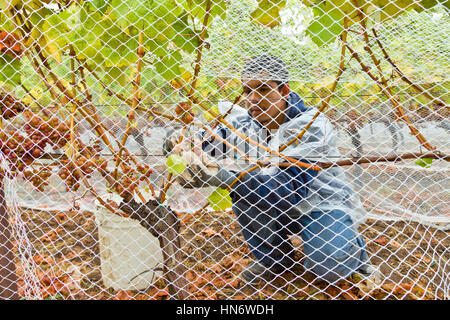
<point>226,234</point>
<point>74,278</point>
<point>227,262</point>
<point>51,235</point>
<point>216,268</point>
<point>61,216</point>
<point>191,276</point>
<point>400,288</point>
<point>381,241</point>
<point>395,244</point>
<point>333,291</point>
<point>347,295</point>
<point>423,258</point>
<point>50,291</point>
<point>202,279</point>
<point>218,281</point>
<point>46,281</point>
<point>162,294</point>
<point>60,287</point>
<point>319,296</point>
<point>233,284</point>
<point>39,259</point>
<point>209,232</point>
<point>124,295</point>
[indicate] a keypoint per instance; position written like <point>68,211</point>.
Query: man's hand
<point>170,141</point>
<point>201,169</point>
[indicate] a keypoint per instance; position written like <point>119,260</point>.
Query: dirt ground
<point>413,259</point>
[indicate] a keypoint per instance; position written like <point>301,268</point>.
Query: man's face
<point>265,101</point>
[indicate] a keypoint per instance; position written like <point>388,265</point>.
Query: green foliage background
<point>104,35</point>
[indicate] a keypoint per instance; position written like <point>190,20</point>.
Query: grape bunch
<point>129,180</point>
<point>42,130</point>
<point>38,177</point>
<point>47,130</point>
<point>84,163</point>
<point>19,149</point>
<point>73,170</point>
<point>10,106</point>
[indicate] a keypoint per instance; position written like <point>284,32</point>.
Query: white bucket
<point>129,253</point>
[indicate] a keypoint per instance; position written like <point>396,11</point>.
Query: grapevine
<point>10,106</point>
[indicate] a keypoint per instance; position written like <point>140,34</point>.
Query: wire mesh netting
<point>212,149</point>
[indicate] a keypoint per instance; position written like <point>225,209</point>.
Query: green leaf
<point>86,31</point>
<point>54,36</point>
<point>5,5</point>
<point>118,48</point>
<point>87,48</point>
<point>156,46</point>
<point>220,199</point>
<point>187,40</point>
<point>175,164</point>
<point>268,13</point>
<point>197,8</point>
<point>391,9</point>
<point>10,69</point>
<point>162,15</point>
<point>6,24</point>
<point>327,25</point>
<point>427,4</point>
<point>138,13</point>
<point>169,66</point>
<point>445,3</point>
<point>167,11</point>
<point>183,36</point>
<point>116,75</point>
<point>50,48</point>
<point>38,16</point>
<point>424,162</point>
<point>100,5</point>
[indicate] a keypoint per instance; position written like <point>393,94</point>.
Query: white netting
<point>26,268</point>
<point>105,84</point>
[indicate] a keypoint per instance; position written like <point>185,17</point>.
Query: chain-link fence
<point>212,149</point>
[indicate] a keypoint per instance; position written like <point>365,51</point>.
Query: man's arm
<point>283,189</point>
<point>212,145</point>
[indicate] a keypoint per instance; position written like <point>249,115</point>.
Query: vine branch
<point>383,83</point>
<point>402,75</point>
<point>325,102</point>
<point>136,100</point>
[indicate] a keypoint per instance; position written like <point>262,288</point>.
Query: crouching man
<point>271,205</point>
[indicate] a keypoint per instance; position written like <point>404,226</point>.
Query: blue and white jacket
<point>293,190</point>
